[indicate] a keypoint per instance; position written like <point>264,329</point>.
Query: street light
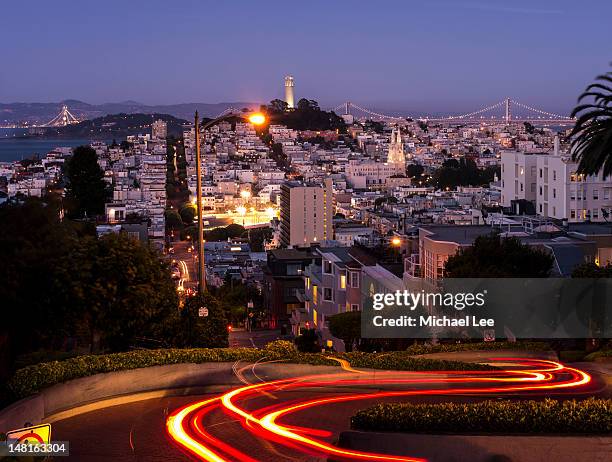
<point>256,118</point>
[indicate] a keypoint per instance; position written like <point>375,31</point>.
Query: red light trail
<point>185,425</point>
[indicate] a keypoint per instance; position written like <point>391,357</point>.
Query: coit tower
<point>289,84</point>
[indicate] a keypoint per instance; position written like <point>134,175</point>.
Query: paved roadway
<point>187,264</point>
<point>137,431</point>
<point>256,338</point>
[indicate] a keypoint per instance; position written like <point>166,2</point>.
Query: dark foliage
<point>591,137</point>
<point>86,190</point>
<point>493,256</point>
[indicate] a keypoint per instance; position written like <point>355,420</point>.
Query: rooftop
<point>590,228</point>
<point>290,254</point>
<point>463,235</point>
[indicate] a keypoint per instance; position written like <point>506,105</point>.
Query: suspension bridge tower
<point>65,117</point>
<point>507,114</point>
<point>289,84</point>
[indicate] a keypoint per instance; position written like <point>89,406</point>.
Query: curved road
<point>295,419</point>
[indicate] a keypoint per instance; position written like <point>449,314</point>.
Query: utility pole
<point>201,265</point>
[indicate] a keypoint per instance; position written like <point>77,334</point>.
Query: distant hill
<point>116,126</point>
<point>40,113</point>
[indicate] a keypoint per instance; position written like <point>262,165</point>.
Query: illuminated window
<point>314,317</point>
<point>342,281</point>
<point>314,294</point>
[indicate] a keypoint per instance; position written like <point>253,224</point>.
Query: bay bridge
<point>506,110</point>
<point>65,117</point>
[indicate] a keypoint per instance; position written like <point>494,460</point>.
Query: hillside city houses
<point>345,216</point>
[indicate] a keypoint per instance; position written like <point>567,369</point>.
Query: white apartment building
<point>563,194</point>
<point>551,183</point>
<point>518,176</point>
<point>369,174</point>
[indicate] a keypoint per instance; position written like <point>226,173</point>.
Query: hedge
<point>423,349</point>
<point>405,361</point>
<point>32,379</point>
<point>593,416</point>
<point>597,355</point>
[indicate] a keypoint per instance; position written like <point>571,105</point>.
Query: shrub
<point>404,361</point>
<point>424,349</point>
<point>307,341</point>
<point>32,379</point>
<point>601,354</point>
<point>548,416</point>
<point>281,349</point>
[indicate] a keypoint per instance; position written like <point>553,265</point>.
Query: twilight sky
<point>434,55</point>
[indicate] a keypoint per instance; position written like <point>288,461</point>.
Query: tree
<point>115,289</point>
<point>347,327</point>
<point>258,237</point>
<point>203,331</point>
<point>222,234</point>
<point>597,318</point>
<point>278,106</point>
<point>173,219</point>
<point>414,171</point>
<point>591,138</point>
<point>462,172</point>
<point>373,125</point>
<point>86,189</point>
<point>187,213</point>
<point>591,270</point>
<point>492,256</point>
<point>32,241</point>
<point>307,115</point>
<point>307,341</point>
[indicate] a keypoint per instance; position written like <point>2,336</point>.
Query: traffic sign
<point>489,335</point>
<point>37,434</point>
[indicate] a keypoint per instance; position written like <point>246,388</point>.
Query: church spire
<point>396,151</point>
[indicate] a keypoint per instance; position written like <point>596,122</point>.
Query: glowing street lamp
<point>257,118</point>
<point>396,241</point>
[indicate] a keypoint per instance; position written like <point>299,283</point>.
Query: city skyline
<point>441,56</point>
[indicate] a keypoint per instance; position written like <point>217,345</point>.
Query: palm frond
<point>591,137</point>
